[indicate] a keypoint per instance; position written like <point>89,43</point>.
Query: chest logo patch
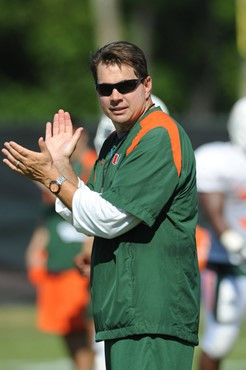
<point>116,158</point>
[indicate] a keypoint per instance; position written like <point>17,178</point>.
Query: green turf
<point>23,347</point>
<point>19,338</point>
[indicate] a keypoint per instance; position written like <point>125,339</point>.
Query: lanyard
<point>112,152</point>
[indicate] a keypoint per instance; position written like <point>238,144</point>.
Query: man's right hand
<point>60,137</point>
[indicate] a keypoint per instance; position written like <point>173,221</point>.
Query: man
<point>221,181</point>
<point>141,206</point>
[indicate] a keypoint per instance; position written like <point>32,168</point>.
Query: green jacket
<point>146,281</point>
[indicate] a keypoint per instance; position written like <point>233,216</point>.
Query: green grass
<point>22,343</point>
<point>23,347</point>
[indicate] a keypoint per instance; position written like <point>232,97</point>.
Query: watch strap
<point>61,180</point>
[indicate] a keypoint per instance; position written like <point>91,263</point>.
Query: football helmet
<point>236,125</point>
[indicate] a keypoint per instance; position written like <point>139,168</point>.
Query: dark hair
<point>120,52</point>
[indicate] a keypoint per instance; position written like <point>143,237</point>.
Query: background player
<point>63,301</point>
<point>221,181</point>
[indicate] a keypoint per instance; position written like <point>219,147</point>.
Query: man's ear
<point>148,86</point>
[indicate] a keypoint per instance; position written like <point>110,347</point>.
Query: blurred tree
<point>190,45</point>
<point>192,49</point>
<point>44,65</point>
<point>241,42</point>
<point>107,19</point>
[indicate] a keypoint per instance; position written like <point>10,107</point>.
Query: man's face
<point>123,109</point>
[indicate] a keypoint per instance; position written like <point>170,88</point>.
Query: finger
<point>43,147</point>
<point>48,131</point>
<point>77,135</point>
<point>9,156</point>
<point>68,123</point>
<point>18,152</point>
<point>61,120</point>
<point>21,150</point>
<point>55,125</point>
<point>15,160</point>
<point>12,166</point>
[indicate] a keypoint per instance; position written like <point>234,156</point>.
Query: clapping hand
<point>55,151</point>
<point>34,165</point>
<point>60,137</point>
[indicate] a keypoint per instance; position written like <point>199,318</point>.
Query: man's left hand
<point>34,165</point>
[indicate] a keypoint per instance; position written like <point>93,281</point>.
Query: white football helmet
<point>236,125</point>
<point>105,125</point>
<point>159,103</point>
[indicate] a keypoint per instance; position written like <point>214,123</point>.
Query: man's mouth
<point>118,110</point>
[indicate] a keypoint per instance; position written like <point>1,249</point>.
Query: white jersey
<point>221,167</point>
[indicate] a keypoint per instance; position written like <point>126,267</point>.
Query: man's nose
<point>116,95</point>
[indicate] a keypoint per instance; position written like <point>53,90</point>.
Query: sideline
<point>239,364</point>
<point>61,364</point>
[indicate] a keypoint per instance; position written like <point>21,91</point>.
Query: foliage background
<point>190,45</point>
<point>45,62</point>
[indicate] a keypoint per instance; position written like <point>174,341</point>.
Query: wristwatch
<point>55,185</point>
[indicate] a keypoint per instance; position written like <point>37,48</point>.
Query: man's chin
<point>119,119</point>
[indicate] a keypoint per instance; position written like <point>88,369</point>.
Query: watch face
<point>54,187</point>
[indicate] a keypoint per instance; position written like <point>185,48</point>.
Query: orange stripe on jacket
<point>160,119</point>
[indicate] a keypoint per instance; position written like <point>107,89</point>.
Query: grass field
<point>22,347</point>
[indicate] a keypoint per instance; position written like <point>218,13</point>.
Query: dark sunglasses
<point>124,87</point>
